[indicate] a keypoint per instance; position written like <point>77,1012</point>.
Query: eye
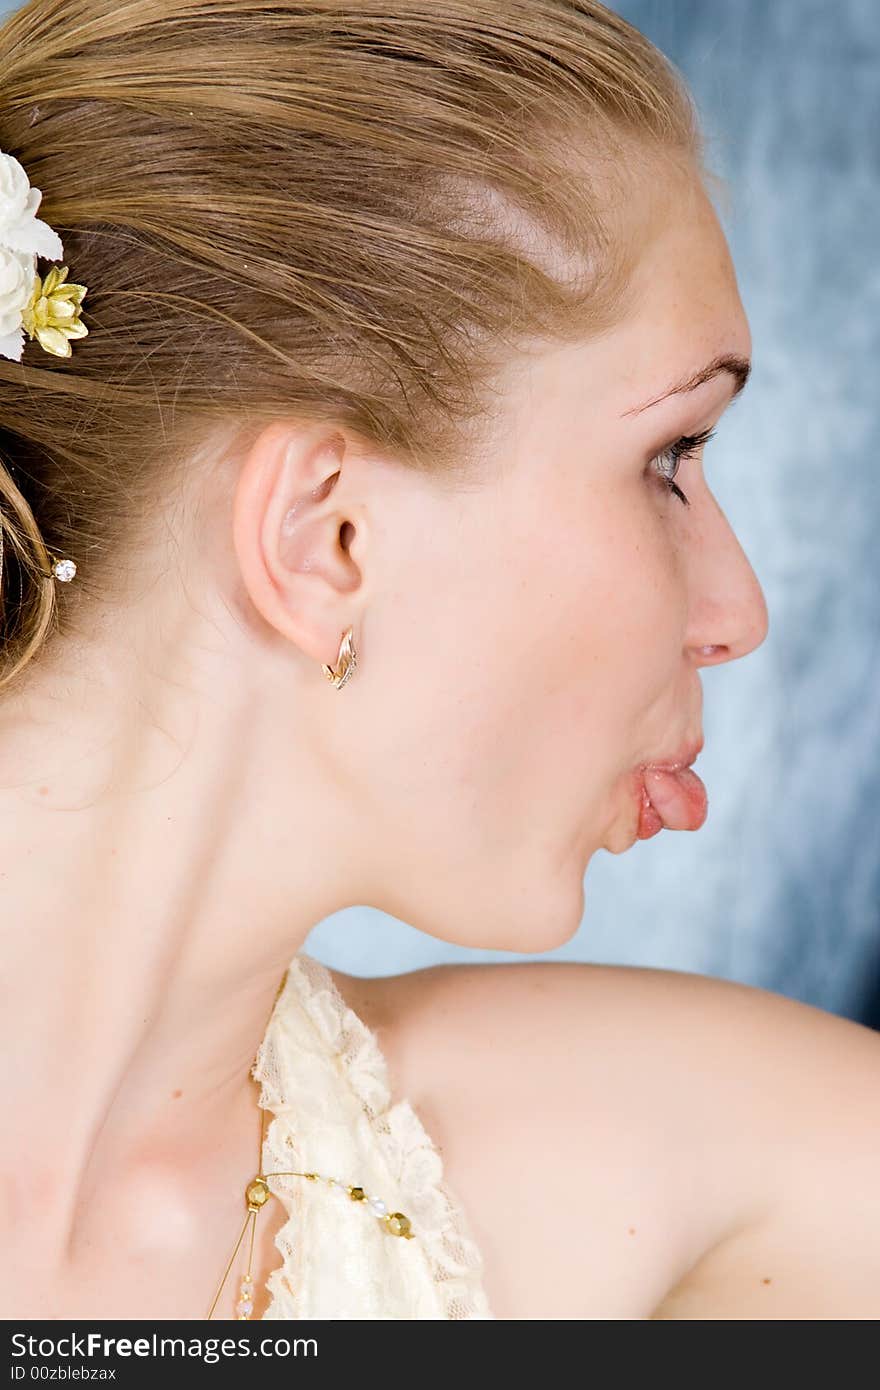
<point>685,447</point>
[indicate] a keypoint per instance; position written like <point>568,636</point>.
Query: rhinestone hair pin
<point>64,570</point>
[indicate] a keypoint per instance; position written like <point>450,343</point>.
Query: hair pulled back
<point>323,210</point>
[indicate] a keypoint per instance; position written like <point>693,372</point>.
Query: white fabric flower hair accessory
<point>49,309</point>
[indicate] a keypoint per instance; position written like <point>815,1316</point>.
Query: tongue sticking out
<point>678,797</point>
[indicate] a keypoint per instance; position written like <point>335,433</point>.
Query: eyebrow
<point>737,367</point>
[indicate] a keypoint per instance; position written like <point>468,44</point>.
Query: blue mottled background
<point>781,887</point>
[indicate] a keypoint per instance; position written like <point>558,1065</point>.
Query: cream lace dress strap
<point>325,1081</point>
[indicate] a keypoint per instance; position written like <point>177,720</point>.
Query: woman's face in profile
<point>553,623</point>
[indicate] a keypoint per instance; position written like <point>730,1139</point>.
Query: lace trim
<point>452,1258</point>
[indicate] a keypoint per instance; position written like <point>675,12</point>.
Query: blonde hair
<point>345,212</point>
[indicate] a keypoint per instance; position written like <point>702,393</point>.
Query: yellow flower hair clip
<point>52,316</point>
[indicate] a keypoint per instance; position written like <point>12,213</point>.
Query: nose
<point>728,612</point>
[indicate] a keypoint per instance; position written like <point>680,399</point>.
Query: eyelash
<point>685,447</point>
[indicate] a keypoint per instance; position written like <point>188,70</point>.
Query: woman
<point>375,444</point>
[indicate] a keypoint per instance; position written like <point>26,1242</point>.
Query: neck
<point>162,863</point>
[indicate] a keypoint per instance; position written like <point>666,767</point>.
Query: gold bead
<point>257,1194</point>
<point>357,1194</point>
<point>312,1177</point>
<point>399,1225</point>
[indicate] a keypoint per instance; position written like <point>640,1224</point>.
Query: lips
<point>670,794</point>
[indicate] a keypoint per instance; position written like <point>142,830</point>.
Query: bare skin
<point>644,1143</point>
<point>183,796</point>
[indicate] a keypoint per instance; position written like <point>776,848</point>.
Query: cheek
<point>604,615</point>
<point>582,635</point>
<point>522,685</point>
<point>613,594</point>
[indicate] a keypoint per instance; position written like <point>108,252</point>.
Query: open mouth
<point>671,799</point>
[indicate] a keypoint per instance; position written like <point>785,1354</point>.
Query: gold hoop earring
<point>346,662</point>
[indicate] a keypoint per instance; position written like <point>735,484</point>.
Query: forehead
<point>683,306</point>
<point>681,311</point>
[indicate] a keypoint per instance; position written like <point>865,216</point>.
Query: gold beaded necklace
<point>256,1195</point>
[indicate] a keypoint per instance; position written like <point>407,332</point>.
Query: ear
<point>292,538</point>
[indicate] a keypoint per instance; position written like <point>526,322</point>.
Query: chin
<point>623,832</point>
<point>619,841</point>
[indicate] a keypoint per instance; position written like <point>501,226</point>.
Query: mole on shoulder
<point>175,1095</point>
<point>766,1281</point>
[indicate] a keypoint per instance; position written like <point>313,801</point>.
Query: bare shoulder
<point>638,1143</point>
